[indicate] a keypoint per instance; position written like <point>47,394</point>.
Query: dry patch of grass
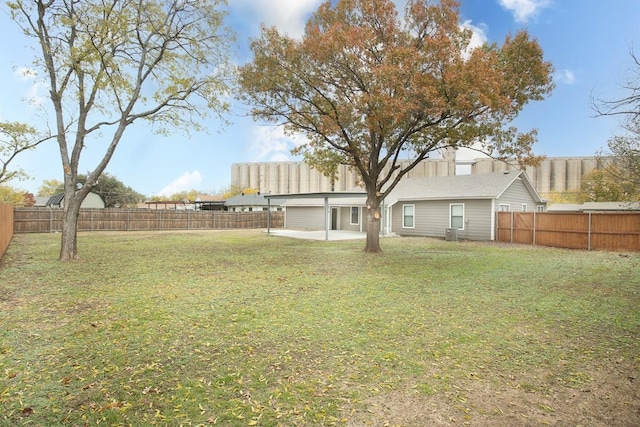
<point>240,328</point>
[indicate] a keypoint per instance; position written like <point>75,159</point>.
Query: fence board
<point>573,230</point>
<point>6,227</point>
<point>44,220</point>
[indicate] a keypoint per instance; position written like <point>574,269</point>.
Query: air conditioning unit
<point>451,234</point>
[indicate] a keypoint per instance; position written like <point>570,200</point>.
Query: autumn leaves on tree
<point>367,85</point>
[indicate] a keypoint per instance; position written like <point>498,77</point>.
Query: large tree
<point>110,63</point>
<point>367,87</point>
<point>113,191</point>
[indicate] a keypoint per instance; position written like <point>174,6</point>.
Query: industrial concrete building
<point>554,174</point>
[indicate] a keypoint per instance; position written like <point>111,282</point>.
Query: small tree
<point>110,64</point>
<point>236,190</point>
<point>50,187</point>
<point>113,191</point>
<point>367,88</point>
<point>602,185</point>
<point>12,196</point>
<point>622,159</point>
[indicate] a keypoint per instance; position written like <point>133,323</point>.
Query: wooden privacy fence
<point>6,227</point>
<point>574,230</point>
<point>44,220</point>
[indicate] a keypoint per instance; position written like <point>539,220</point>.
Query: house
<point>92,201</point>
<point>426,206</point>
<point>253,203</point>
<point>207,202</point>
<point>464,203</point>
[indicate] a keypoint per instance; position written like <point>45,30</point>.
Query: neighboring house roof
<point>92,198</point>
<point>208,198</point>
<point>482,186</point>
<point>41,201</point>
<point>564,207</point>
<point>595,206</point>
<point>253,200</point>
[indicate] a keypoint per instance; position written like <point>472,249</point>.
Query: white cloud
<point>33,94</point>
<point>288,16</point>
<point>478,38</point>
<point>188,181</point>
<point>25,73</point>
<point>269,143</point>
<point>565,77</point>
<point>524,9</point>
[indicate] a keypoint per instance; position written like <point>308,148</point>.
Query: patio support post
<point>268,216</point>
<point>326,218</point>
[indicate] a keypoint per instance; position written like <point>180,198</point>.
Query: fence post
<point>50,220</point>
<point>589,234</point>
<point>534,228</point>
<point>511,216</point>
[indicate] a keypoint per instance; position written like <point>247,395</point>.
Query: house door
<point>334,218</point>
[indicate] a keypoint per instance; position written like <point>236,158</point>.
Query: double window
<point>456,215</point>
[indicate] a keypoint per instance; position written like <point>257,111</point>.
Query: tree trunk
<point>71,212</point>
<point>373,225</point>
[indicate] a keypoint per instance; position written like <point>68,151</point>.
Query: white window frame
<point>504,207</point>
<point>524,207</point>
<point>540,208</point>
<point>413,216</point>
<point>355,209</point>
<point>451,205</point>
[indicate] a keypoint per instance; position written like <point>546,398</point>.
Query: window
<point>355,215</point>
<point>540,208</point>
<point>504,208</point>
<point>457,216</point>
<point>524,207</point>
<point>408,216</point>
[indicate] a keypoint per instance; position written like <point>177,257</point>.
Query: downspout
<point>494,214</point>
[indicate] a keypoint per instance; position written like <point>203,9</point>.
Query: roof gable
<point>483,186</point>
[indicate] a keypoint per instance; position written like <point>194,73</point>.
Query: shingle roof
<point>483,186</point>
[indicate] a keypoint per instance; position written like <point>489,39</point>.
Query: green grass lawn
<point>241,328</point>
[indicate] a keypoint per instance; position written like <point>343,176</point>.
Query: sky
<point>588,43</point>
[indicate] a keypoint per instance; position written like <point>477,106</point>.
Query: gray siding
<point>432,219</point>
<point>515,196</point>
<point>345,219</point>
<point>304,218</point>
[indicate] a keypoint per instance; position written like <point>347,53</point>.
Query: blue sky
<point>588,43</point>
